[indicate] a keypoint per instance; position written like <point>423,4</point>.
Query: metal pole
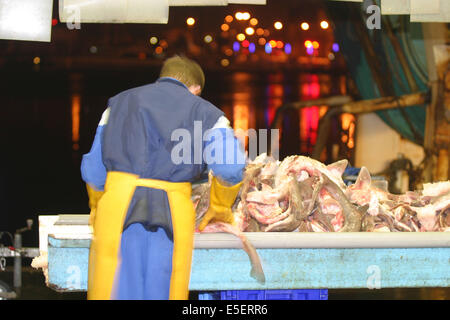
<point>17,261</point>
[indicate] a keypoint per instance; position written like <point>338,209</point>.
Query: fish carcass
<point>303,194</point>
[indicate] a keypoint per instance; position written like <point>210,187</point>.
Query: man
<point>143,222</point>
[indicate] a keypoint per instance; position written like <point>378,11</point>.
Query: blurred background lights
<point>245,43</point>
<point>308,43</point>
<point>253,21</point>
<point>240,37</point>
<point>331,56</point>
<point>190,21</point>
<point>250,31</point>
<point>260,31</point>
<point>315,45</point>
<point>324,24</point>
<point>280,44</point>
<point>268,48</point>
<point>163,43</point>
<point>93,49</point>
<point>208,38</point>
<point>36,60</point>
<point>310,50</point>
<point>304,26</point>
<point>242,15</point>
<point>225,27</point>
<point>251,47</point>
<point>153,40</point>
<point>229,18</point>
<point>262,41</point>
<point>335,47</point>
<point>288,48</point>
<point>225,62</point>
<point>236,46</point>
<point>158,50</point>
<point>278,25</point>
<point>272,43</point>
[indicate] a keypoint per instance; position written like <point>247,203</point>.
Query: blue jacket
<point>135,136</point>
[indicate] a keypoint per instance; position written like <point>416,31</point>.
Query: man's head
<point>185,70</point>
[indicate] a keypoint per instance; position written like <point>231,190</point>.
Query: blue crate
<point>297,294</point>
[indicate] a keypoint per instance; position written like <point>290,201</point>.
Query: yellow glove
<point>94,197</point>
<point>221,199</point>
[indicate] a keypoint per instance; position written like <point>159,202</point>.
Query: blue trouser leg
<point>146,264</point>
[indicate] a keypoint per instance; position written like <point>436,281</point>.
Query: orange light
<point>315,45</point>
<point>250,31</point>
<point>225,27</point>
<point>37,60</point>
<point>273,43</point>
<point>225,62</point>
<point>261,41</point>
<point>304,26</point>
<point>190,21</point>
<point>253,21</point>
<point>229,18</point>
<point>163,43</point>
<point>158,50</point>
<point>228,52</point>
<point>308,43</point>
<point>76,107</point>
<point>260,31</point>
<point>278,25</point>
<point>280,44</point>
<point>324,24</point>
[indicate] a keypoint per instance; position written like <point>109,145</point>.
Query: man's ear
<point>195,89</point>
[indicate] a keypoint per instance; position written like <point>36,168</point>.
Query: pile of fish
<point>302,194</point>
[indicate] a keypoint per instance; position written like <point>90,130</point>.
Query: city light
<point>280,44</point>
<point>251,47</point>
<point>260,31</point>
<point>245,43</point>
<point>240,37</point>
<point>272,43</point>
<point>242,15</point>
<point>315,45</point>
<point>229,18</point>
<point>304,26</point>
<point>268,48</point>
<point>158,50</point>
<point>308,43</point>
<point>207,38</point>
<point>225,27</point>
<point>225,62</point>
<point>324,24</point>
<point>335,47</point>
<point>310,50</point>
<point>278,25</point>
<point>253,21</point>
<point>250,31</point>
<point>190,21</point>
<point>262,41</point>
<point>37,60</point>
<point>288,48</point>
<point>236,46</point>
<point>153,40</point>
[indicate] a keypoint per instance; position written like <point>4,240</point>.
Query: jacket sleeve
<point>93,171</point>
<point>223,152</point>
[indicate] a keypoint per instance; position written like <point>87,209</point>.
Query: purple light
<point>288,48</point>
<point>236,46</point>
<point>251,47</point>
<point>335,47</point>
<point>268,48</point>
<point>310,50</point>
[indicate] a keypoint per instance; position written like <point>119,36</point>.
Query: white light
<point>208,38</point>
<point>29,20</point>
<point>117,11</point>
<point>186,3</point>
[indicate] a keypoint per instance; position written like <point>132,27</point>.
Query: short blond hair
<point>185,70</point>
